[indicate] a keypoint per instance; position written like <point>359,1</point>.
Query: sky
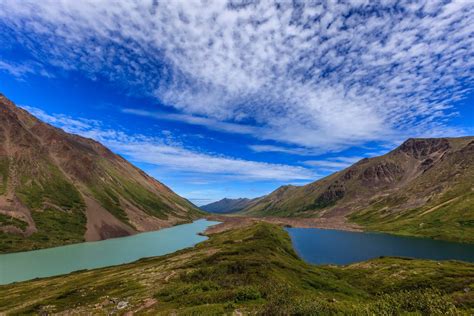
<point>236,98</point>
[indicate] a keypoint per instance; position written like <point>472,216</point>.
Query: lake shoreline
<point>48,262</point>
<point>233,222</point>
<point>337,247</point>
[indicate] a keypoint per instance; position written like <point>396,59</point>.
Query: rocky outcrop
<point>381,173</point>
<point>421,148</point>
<point>330,196</point>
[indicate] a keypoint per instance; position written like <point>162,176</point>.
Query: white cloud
<point>15,70</point>
<point>21,70</point>
<point>211,124</point>
<point>162,152</point>
<point>334,163</point>
<point>298,134</point>
<point>184,160</point>
<point>322,75</point>
<point>286,150</point>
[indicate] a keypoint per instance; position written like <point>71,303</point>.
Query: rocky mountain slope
<point>57,188</point>
<point>227,206</point>
<point>424,187</point>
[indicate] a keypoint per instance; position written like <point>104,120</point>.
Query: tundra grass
<point>253,270</point>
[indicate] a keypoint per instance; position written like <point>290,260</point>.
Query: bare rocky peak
<point>420,148</point>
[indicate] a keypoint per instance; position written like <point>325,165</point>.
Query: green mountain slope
<point>251,271</point>
<point>425,187</point>
<point>57,188</point>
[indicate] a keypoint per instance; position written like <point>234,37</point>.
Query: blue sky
<point>233,99</point>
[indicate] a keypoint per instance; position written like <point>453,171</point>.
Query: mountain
<point>57,188</point>
<point>226,206</point>
<point>425,187</point>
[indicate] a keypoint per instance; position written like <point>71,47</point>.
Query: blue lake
<point>319,246</point>
<point>90,255</point>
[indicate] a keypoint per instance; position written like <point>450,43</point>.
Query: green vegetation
<point>48,187</point>
<point>55,228</point>
<point>150,202</point>
<point>108,193</point>
<point>4,165</point>
<point>6,220</point>
<point>422,188</point>
<point>56,207</point>
<point>58,228</point>
<point>252,270</point>
<point>48,172</point>
<point>450,218</point>
<point>110,201</point>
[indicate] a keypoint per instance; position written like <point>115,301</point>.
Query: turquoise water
<point>320,246</point>
<point>89,255</point>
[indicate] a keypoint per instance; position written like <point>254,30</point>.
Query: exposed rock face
<point>420,148</point>
<point>330,196</point>
<point>384,172</point>
<point>58,188</point>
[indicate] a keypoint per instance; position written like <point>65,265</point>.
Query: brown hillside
<point>58,188</point>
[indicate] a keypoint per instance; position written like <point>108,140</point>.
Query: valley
<point>424,188</point>
<point>237,158</point>
<point>250,270</point>
<point>61,189</point>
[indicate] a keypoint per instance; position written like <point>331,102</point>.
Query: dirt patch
<point>169,276</point>
<point>11,230</point>
<point>101,224</point>
<point>147,303</point>
<point>438,206</point>
<point>11,206</point>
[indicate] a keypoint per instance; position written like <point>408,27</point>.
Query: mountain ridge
<point>58,188</point>
<point>424,187</point>
<point>227,205</point>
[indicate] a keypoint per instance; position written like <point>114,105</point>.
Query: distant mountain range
<point>57,188</point>
<point>425,187</point>
<point>227,206</point>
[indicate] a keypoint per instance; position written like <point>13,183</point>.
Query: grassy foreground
<point>251,270</point>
